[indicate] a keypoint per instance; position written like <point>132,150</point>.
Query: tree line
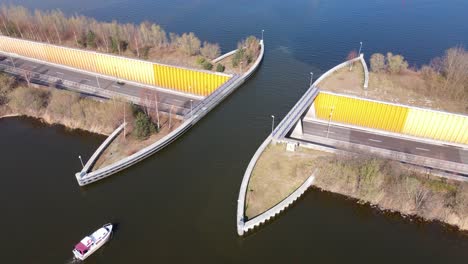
<point>87,33</point>
<point>446,75</point>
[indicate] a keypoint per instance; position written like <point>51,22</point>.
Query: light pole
<point>329,120</point>
<point>79,156</point>
<point>96,72</point>
<point>360,48</point>
<point>311,78</point>
<point>262,33</point>
<point>191,108</point>
<point>272,123</point>
<point>12,62</point>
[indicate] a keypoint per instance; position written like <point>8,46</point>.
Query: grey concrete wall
<point>197,113</point>
<point>87,167</point>
<point>224,56</point>
<point>366,71</point>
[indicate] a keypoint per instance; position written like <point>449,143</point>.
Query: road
<point>362,137</point>
<point>166,99</point>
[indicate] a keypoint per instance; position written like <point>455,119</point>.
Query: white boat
<point>93,242</point>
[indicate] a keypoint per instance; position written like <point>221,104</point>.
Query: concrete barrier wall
<point>396,118</point>
<point>198,112</point>
<point>178,78</point>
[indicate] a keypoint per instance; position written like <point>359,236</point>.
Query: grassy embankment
<point>55,106</point>
<point>386,184</point>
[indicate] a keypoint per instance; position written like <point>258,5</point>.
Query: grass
<point>386,184</point>
<point>407,88</point>
<point>123,147</point>
<point>276,175</point>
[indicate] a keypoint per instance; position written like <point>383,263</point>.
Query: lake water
<point>179,206</point>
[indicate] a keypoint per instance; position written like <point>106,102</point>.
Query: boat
<point>89,244</point>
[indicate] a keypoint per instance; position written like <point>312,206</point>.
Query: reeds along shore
<point>393,186</point>
<point>55,106</point>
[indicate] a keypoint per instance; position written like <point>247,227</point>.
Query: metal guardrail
<point>293,116</point>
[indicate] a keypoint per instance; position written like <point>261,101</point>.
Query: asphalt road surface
<point>362,137</point>
<point>165,99</point>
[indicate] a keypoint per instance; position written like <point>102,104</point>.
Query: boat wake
<point>73,260</point>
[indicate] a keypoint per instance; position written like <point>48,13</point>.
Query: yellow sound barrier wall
<point>395,118</point>
<point>176,78</point>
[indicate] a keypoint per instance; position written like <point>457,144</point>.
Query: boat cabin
<point>84,245</point>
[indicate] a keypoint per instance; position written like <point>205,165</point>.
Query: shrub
<point>220,67</point>
<point>396,63</point>
<point>377,62</point>
<point>237,58</point>
<point>200,60</point>
<point>143,126</point>
<point>207,65</point>
<point>61,103</point>
<point>210,51</point>
<point>24,99</point>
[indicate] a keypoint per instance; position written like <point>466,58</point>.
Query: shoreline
<point>48,121</point>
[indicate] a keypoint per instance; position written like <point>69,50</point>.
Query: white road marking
<point>115,86</point>
<point>331,132</point>
<point>375,140</point>
<point>423,149</point>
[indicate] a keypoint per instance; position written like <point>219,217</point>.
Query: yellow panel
<point>190,81</point>
<point>359,112</point>
<point>437,125</point>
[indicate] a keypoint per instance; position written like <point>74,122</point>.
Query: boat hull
<point>96,246</point>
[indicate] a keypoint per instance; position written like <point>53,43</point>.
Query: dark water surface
<point>179,205</point>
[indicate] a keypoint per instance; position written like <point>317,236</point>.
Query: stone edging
<point>366,71</point>
<point>272,212</point>
<point>99,151</point>
<point>245,183</point>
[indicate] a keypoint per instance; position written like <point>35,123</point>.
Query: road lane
<point>165,99</point>
<point>442,152</point>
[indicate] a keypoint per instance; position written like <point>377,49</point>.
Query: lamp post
<point>191,108</point>
<point>272,123</point>
<point>79,156</point>
<point>360,48</point>
<point>12,62</point>
<point>96,72</point>
<point>311,78</point>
